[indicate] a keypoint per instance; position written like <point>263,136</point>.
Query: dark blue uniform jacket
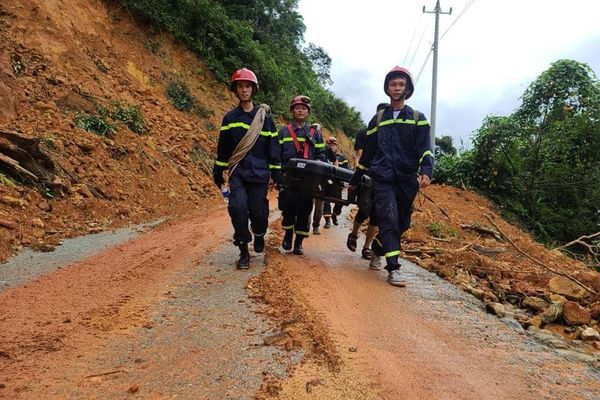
<point>265,155</point>
<point>399,148</point>
<point>316,149</point>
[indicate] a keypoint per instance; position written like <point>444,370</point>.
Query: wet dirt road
<point>167,316</point>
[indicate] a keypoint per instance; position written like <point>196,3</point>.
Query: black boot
<point>327,223</point>
<point>334,219</point>
<point>244,261</point>
<point>298,245</point>
<point>287,239</point>
<point>259,243</point>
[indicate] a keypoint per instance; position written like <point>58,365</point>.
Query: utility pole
<point>437,11</point>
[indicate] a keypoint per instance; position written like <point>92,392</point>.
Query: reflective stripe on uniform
<point>427,153</point>
<point>319,145</point>
<point>359,166</point>
<point>287,228</point>
<point>221,163</point>
<point>246,126</point>
<point>392,253</point>
<point>274,166</point>
<point>289,139</point>
<point>235,125</point>
<point>398,121</point>
<point>301,233</point>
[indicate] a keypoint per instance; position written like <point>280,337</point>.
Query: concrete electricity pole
<point>437,11</point>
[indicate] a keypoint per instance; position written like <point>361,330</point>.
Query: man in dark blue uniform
<point>399,159</point>
<point>256,156</point>
<point>338,159</point>
<point>298,140</point>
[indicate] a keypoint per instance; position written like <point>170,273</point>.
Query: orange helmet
<point>302,100</point>
<point>244,74</point>
<point>400,72</point>
<point>331,140</point>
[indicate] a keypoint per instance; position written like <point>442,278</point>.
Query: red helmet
<point>244,74</point>
<point>400,72</point>
<point>302,100</point>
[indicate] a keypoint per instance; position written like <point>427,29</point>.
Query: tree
<point>321,62</point>
<point>444,146</point>
<point>542,163</point>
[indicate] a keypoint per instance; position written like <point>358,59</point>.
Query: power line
<point>418,46</point>
<point>412,38</point>
<point>469,4</point>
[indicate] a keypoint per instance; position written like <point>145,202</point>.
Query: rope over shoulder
<point>249,139</point>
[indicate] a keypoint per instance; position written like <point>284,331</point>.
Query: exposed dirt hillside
<point>60,59</point>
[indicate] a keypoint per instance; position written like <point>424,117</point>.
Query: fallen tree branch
<point>467,245</point>
<point>15,165</point>
<point>539,262</point>
<point>440,208</point>
<point>592,248</point>
<point>488,250</point>
<point>482,229</point>
<point>423,250</point>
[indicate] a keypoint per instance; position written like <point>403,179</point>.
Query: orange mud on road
<point>166,315</point>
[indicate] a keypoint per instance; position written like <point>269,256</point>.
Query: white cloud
<point>486,60</point>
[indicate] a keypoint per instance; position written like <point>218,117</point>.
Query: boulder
<point>535,303</point>
<point>566,287</point>
<point>552,313</point>
<point>590,334</point>
<point>574,314</point>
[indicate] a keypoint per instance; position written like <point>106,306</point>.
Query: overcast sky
<point>490,53</point>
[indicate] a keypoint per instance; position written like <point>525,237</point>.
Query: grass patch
<point>441,231</point>
<point>180,96</point>
<point>97,124</point>
<point>7,181</point>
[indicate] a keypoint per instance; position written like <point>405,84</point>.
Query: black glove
<point>218,176</point>
<point>277,177</point>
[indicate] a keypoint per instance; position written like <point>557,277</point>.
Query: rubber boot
<point>259,243</point>
<point>298,245</point>
<point>287,239</point>
<point>244,261</point>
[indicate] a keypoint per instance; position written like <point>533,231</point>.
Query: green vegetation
<point>98,125</point>
<point>442,231</point>
<point>131,116</point>
<point>104,124</point>
<point>7,181</point>
<point>181,97</point>
<point>263,35</point>
<point>542,163</point>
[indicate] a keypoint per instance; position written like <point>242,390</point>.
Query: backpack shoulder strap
<point>379,117</point>
<point>417,116</point>
<point>294,138</point>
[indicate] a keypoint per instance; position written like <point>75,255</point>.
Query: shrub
<point>179,94</point>
<point>98,125</point>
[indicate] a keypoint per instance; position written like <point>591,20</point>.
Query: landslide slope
<point>62,59</point>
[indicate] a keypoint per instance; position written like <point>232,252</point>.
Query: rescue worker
<point>252,157</point>
<point>339,160</point>
<point>331,158</point>
<point>399,160</point>
<point>363,214</point>
<point>299,140</point>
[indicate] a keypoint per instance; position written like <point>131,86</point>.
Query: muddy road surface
<point>166,315</point>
